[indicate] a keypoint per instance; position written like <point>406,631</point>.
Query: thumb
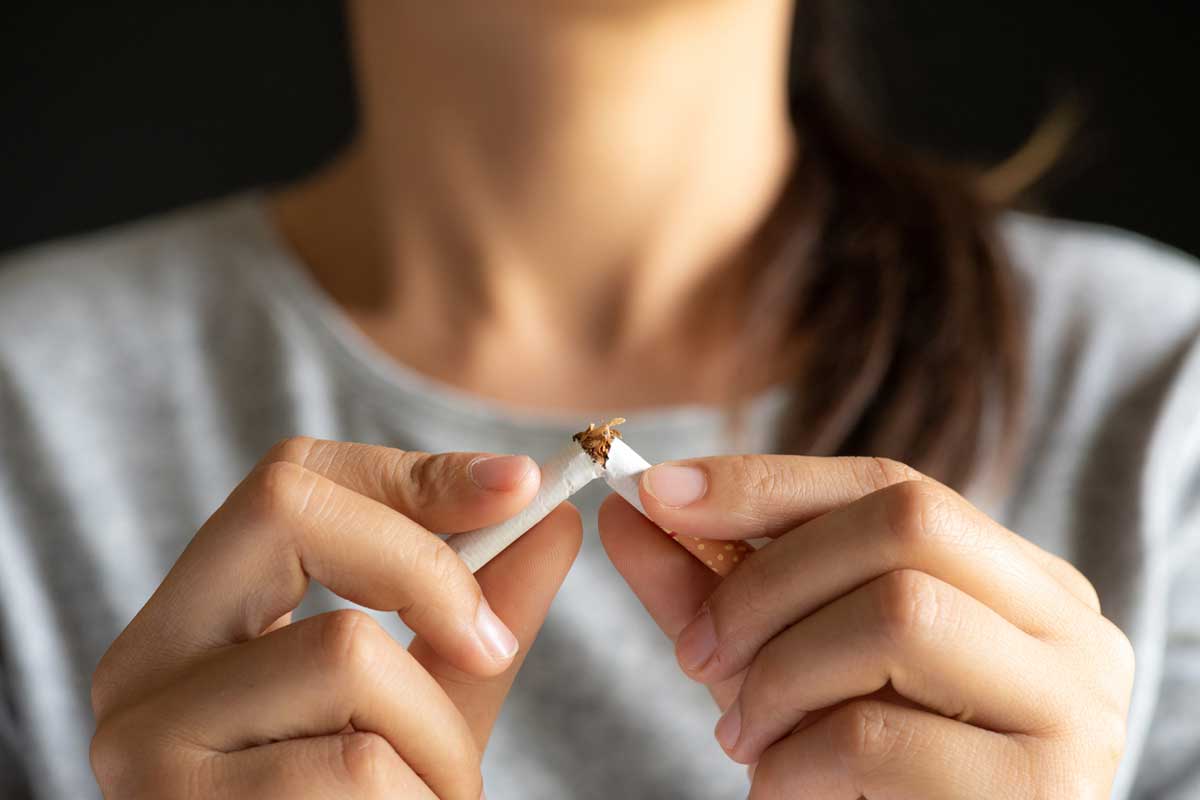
<point>519,585</point>
<point>671,583</point>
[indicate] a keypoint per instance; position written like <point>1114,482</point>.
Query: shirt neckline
<point>395,387</point>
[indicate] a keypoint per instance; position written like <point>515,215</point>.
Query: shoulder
<point>162,258</point>
<point>1104,284</point>
<point>1114,364</point>
<point>120,291</point>
<point>129,330</point>
<point>1108,311</point>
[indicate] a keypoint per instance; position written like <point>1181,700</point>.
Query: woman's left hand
<point>892,641</point>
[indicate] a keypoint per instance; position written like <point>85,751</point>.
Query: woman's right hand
<point>212,691</point>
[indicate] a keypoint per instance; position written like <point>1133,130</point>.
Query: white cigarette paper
<point>623,473</point>
<point>562,476</point>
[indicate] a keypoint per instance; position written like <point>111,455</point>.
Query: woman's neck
<point>562,180</point>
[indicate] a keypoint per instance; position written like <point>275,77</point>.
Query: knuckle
<point>104,683</point>
<point>279,490</point>
<point>874,474</point>
<point>445,566</point>
<point>293,450</point>
<point>864,735</point>
<point>367,761</point>
<point>458,592</point>
<point>909,606</point>
<point>419,477</point>
<point>124,762</point>
<point>458,588</point>
<point>107,755</point>
<point>350,643</point>
<point>910,508</point>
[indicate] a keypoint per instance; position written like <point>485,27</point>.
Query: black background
<point>115,111</point>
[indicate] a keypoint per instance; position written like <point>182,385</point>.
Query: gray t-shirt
<point>143,371</point>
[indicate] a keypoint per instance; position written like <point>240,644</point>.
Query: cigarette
<point>562,476</point>
<point>598,452</point>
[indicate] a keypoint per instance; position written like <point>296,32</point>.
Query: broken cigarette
<point>598,452</point>
<point>562,476</point>
<point>623,474</point>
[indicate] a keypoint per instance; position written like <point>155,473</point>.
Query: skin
<point>580,192</point>
<point>580,189</point>
<point>212,691</point>
<point>891,641</point>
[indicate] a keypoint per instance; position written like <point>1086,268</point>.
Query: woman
<point>554,211</point>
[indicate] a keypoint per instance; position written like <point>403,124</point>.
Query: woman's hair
<point>884,286</point>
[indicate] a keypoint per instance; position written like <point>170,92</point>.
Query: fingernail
<point>499,473</point>
<point>674,486</point>
<point>697,642</point>
<point>729,727</point>
<point>497,638</point>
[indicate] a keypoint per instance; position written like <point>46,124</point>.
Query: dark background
<point>115,111</point>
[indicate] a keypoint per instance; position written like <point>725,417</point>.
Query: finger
<point>671,584</point>
<point>444,493</point>
<point>357,766</point>
<point>933,644</point>
<point>349,672</point>
<point>1063,571</point>
<point>916,525</point>
<point>520,584</point>
<point>251,562</point>
<point>870,748</point>
<point>753,496</point>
